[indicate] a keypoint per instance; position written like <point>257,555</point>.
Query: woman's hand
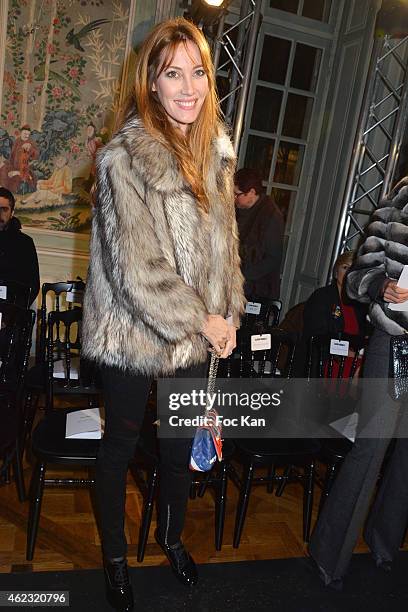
<point>231,342</point>
<point>394,294</point>
<point>217,331</point>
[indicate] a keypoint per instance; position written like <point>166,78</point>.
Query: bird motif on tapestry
<point>73,38</point>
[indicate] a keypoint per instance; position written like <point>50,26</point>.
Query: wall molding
<point>3,37</point>
<point>129,55</point>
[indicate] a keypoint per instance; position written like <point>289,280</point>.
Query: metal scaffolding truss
<point>378,142</point>
<point>234,50</point>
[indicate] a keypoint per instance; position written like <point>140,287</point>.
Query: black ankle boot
<point>181,562</point>
<point>118,588</point>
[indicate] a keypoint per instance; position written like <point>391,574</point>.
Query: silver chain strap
<point>212,374</point>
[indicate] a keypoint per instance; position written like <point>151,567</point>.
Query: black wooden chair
<point>15,344</point>
<point>268,315</point>
<point>15,292</point>
<point>251,323</point>
<point>48,442</point>
<point>340,396</point>
<point>270,453</point>
<point>63,296</point>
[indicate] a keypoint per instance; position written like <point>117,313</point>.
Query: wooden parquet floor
<point>68,536</point>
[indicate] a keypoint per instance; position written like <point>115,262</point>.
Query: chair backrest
<point>63,296</point>
<point>276,361</point>
<point>70,371</point>
<point>15,343</point>
<point>15,292</point>
<point>321,363</point>
<point>264,312</point>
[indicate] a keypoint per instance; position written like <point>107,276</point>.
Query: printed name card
<point>3,292</point>
<point>261,342</point>
<point>339,347</point>
<point>253,308</point>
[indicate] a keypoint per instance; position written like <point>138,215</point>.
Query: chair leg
<point>242,506</point>
<point>37,489</point>
<point>220,505</point>
<point>308,500</point>
<point>271,478</point>
<point>328,482</point>
<point>147,515</point>
<point>193,490</point>
<point>18,471</point>
<point>30,407</point>
<point>7,474</point>
<point>204,484</point>
<point>284,481</point>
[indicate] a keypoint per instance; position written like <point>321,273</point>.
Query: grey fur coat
<point>382,255</point>
<point>158,265</point>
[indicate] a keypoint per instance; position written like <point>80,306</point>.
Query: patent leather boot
<point>118,588</point>
<point>181,562</point>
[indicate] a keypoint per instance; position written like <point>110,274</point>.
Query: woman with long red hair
<point>164,282</point>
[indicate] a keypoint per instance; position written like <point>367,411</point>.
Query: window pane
<point>289,163</point>
<point>290,6</point>
<point>259,155</point>
<point>297,116</point>
<point>317,9</point>
<point>265,113</point>
<point>306,67</point>
<point>274,60</point>
<point>284,200</point>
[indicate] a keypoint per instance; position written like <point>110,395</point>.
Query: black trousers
<point>347,506</point>
<point>125,396</point>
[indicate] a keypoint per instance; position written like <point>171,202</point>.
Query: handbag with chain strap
<point>398,368</point>
<point>207,442</point>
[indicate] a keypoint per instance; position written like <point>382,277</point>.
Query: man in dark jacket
<point>18,257</point>
<point>261,227</point>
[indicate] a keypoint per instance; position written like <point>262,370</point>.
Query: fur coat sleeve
<point>382,255</point>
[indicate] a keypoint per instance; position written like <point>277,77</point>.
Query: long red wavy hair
<point>193,150</point>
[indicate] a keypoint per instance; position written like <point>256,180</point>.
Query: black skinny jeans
<point>125,396</point>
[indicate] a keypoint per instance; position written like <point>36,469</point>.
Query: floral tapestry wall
<point>62,73</point>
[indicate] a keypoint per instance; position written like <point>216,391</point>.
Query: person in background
<point>18,256</point>
<point>54,188</point>
<point>164,283</point>
<point>23,153</point>
<point>329,311</point>
<point>5,168</point>
<point>373,280</point>
<point>261,229</point>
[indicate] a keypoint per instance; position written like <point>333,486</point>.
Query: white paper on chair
<point>402,282</point>
<point>347,426</point>
<point>85,424</point>
<point>75,297</point>
<point>60,370</point>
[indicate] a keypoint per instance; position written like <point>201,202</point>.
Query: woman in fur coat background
<point>164,281</point>
<point>373,280</point>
